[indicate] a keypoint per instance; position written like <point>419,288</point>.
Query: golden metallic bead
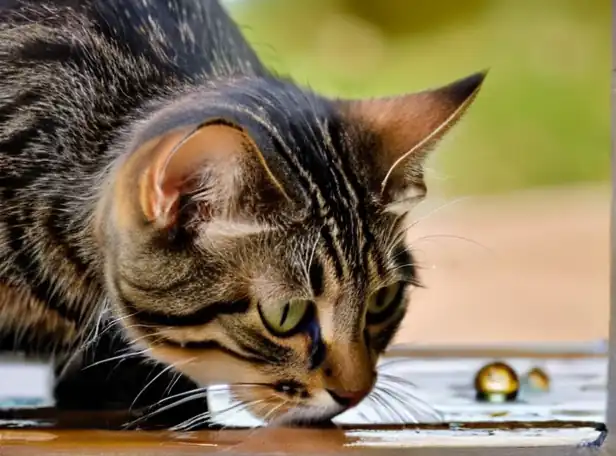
<point>536,380</point>
<point>496,382</point>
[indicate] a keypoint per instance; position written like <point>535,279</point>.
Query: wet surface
<point>442,389</point>
<point>299,440</point>
<point>438,409</point>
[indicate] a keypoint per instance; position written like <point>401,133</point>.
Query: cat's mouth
<point>317,409</point>
<point>306,416</point>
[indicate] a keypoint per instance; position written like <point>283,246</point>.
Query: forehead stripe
<point>333,252</point>
<point>317,277</point>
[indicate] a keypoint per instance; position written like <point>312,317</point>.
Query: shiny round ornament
<point>496,382</point>
<point>536,380</point>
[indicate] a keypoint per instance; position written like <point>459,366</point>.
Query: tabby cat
<point>166,197</point>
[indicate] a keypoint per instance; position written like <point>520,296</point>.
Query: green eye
<point>382,302</point>
<point>284,319</point>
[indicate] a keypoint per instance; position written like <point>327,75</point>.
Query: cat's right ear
<point>217,165</point>
<point>407,127</point>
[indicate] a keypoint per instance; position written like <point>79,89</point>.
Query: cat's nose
<point>349,398</point>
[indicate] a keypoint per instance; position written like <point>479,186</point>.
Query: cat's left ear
<point>406,128</point>
<point>216,165</point>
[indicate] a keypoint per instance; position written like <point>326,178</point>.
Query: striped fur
<point>303,196</point>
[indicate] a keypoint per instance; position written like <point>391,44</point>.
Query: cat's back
<point>73,73</point>
<point>191,39</point>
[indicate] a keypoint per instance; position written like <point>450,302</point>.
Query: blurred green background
<point>543,115</point>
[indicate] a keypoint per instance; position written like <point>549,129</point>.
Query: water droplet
<point>496,382</point>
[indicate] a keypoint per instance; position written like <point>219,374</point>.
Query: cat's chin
<point>317,424</point>
<point>307,416</point>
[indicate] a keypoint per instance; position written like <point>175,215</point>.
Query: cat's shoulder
<point>196,36</point>
<point>189,37</point>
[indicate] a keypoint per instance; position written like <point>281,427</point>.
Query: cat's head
<point>254,236</point>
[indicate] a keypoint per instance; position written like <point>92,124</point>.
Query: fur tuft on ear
<point>407,127</point>
<point>216,165</point>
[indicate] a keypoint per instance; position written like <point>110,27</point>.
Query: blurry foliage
<point>401,17</point>
<point>543,115</point>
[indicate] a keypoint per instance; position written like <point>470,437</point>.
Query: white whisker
<point>451,236</point>
<point>158,411</point>
<point>397,236</point>
<point>116,358</point>
<point>161,373</point>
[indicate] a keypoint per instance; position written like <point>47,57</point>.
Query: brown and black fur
<point>74,74</point>
<point>85,86</point>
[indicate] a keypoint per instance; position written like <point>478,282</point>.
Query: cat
<point>168,202</point>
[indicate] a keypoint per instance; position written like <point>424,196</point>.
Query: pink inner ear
<point>222,158</point>
<point>160,184</point>
<point>181,156</point>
